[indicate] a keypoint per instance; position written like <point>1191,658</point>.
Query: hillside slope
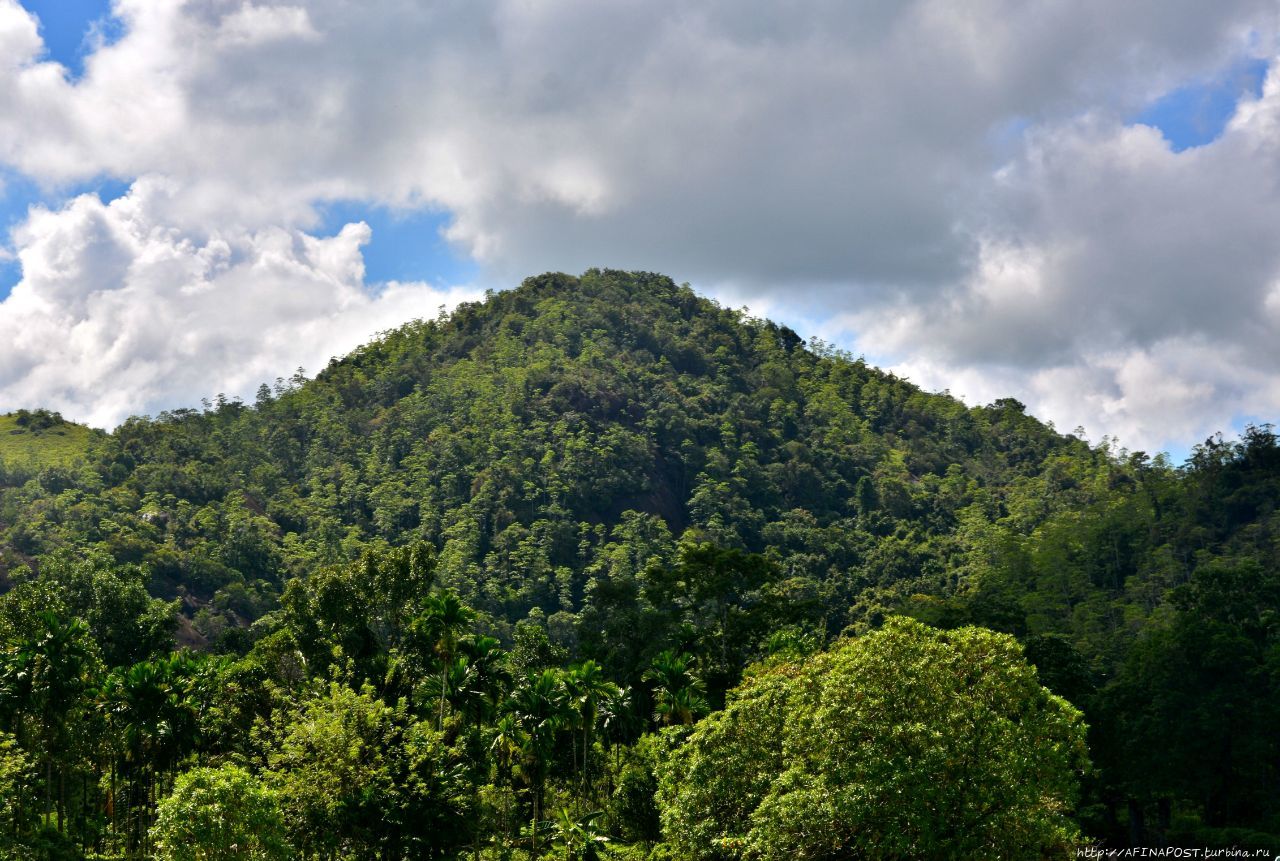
<point>35,439</point>
<point>528,436</point>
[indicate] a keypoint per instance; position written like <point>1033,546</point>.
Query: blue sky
<point>1196,113</point>
<point>406,246</point>
<point>20,193</point>
<point>66,27</point>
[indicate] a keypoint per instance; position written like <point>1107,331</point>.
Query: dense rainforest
<point>598,568</point>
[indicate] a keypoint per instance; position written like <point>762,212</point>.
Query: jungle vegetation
<point>598,568</point>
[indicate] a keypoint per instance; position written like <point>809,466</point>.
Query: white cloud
<point>19,36</point>
<point>258,25</point>
<point>952,180</point>
<point>1119,284</point>
<point>118,313</point>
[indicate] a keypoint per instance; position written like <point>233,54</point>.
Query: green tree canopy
<point>220,814</point>
<point>363,779</point>
<point>909,742</point>
<point>124,620</point>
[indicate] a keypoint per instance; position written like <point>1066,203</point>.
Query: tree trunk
<point>1164,819</point>
<point>1137,824</point>
<point>440,721</point>
<point>533,832</point>
<point>586,747</point>
<point>111,803</point>
<point>85,808</point>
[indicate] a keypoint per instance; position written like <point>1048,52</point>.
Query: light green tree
<point>220,814</point>
<point>360,778</point>
<point>909,742</point>
<point>15,772</point>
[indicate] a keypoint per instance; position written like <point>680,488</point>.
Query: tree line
<point>376,719</point>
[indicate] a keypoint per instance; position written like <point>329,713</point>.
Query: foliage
<point>15,772</point>
<point>494,566</point>
<point>360,778</point>
<point>220,814</point>
<point>579,838</point>
<point>906,743</point>
<point>553,445</point>
<point>126,623</point>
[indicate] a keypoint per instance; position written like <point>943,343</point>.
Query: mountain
<point>530,436</point>
<point>611,468</point>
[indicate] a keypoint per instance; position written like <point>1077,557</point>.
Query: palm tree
<point>46,677</point>
<point>618,723</point>
<point>151,706</point>
<point>489,668</point>
<point>590,689</point>
<point>507,745</point>
<point>466,689</point>
<point>540,710</point>
<point>442,623</point>
<point>683,706</point>
<point>679,695</point>
<point>573,716</point>
<point>582,838</point>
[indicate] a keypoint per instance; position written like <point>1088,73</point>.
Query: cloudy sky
<point>1072,202</point>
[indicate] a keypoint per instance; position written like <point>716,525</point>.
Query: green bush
<point>220,813</point>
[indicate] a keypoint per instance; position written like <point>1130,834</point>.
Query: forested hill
<point>610,471</point>
<point>533,438</point>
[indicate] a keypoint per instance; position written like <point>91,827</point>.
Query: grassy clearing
<point>42,443</point>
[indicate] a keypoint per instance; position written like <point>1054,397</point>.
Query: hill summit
<point>40,437</point>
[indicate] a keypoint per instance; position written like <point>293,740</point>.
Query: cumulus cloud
<point>118,312</point>
<point>951,183</point>
<point>1119,284</point>
<point>256,25</point>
